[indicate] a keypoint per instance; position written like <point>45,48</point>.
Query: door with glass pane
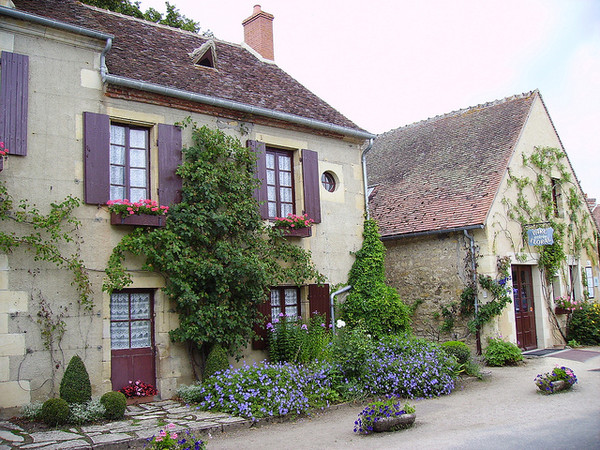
<point>132,338</point>
<point>524,307</point>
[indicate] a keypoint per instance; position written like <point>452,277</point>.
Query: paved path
<point>504,412</point>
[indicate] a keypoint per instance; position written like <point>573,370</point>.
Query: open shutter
<point>169,159</point>
<point>310,174</point>
<point>260,194</point>
<point>318,300</point>
<point>264,309</point>
<point>96,130</point>
<point>13,102</point>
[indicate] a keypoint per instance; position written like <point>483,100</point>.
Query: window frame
<point>277,154</point>
<point>283,306</point>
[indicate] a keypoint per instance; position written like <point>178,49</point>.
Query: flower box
<point>559,310</point>
<point>296,232</point>
<point>141,399</point>
<point>147,220</point>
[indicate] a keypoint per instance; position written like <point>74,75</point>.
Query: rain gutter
<point>431,232</point>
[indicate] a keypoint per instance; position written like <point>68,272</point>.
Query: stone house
<point>90,99</point>
<point>455,197</point>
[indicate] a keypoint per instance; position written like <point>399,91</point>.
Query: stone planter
<point>393,423</point>
<point>557,386</point>
<point>146,220</point>
<point>138,400</point>
<point>296,232</point>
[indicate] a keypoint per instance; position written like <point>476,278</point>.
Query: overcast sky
<point>386,64</point>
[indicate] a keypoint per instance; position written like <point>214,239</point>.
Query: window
<point>130,320</point>
<point>328,181</point>
<point>117,161</point>
<point>280,183</point>
<point>14,78</point>
<point>285,300</point>
<point>555,196</point>
<point>129,155</point>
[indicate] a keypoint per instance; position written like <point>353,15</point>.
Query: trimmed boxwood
<point>75,386</point>
<point>458,349</point>
<point>55,411</point>
<point>216,361</point>
<point>115,404</point>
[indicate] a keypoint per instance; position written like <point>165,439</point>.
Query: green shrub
<point>502,353</point>
<point>114,403</point>
<point>32,411</point>
<point>55,411</point>
<point>350,350</point>
<point>290,340</point>
<point>75,386</point>
<point>216,361</point>
<point>91,411</point>
<point>584,324</point>
<point>459,350</point>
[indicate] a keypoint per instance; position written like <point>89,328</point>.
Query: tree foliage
<point>371,303</point>
<point>172,18</point>
<point>218,256</point>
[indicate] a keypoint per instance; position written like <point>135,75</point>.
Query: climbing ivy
<point>217,255</point>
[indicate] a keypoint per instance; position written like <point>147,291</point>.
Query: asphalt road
<point>505,411</point>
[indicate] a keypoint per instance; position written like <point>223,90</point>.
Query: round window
<point>328,181</point>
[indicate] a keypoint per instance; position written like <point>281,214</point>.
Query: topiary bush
<point>55,411</point>
<point>216,361</point>
<point>584,324</point>
<point>115,404</point>
<point>75,386</point>
<point>502,353</point>
<point>459,350</point>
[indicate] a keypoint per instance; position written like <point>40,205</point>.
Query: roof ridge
<point>464,110</point>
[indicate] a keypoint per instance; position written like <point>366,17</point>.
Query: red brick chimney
<point>258,32</point>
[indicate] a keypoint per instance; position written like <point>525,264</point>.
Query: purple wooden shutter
<point>310,174</point>
<point>96,131</point>
<point>264,309</point>
<point>318,300</point>
<point>260,194</point>
<point>13,98</point>
<point>169,159</point>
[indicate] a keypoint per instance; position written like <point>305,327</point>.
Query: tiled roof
<point>596,215</point>
<point>443,173</point>
<point>158,54</point>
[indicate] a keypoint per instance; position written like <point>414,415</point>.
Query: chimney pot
<point>258,32</point>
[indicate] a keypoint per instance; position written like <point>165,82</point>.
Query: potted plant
<point>385,415</point>
<point>138,392</point>
<point>560,379</point>
<point>294,225</point>
<point>143,212</point>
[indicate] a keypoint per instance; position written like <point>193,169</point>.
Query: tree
<point>218,256</point>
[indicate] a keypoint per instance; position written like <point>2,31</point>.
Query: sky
<point>388,63</point>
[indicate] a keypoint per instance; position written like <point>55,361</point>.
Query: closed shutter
<point>96,130</point>
<point>169,159</point>
<point>13,98</point>
<point>264,309</point>
<point>310,174</point>
<point>260,194</point>
<point>318,300</point>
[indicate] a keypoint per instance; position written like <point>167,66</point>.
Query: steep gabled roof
<point>159,54</point>
<point>443,173</point>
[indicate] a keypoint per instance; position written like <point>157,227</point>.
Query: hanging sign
<point>541,236</point>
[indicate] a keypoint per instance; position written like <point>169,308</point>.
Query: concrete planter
<point>393,423</point>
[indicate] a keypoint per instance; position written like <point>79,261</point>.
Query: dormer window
<point>205,55</point>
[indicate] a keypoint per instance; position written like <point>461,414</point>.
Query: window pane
<point>285,163</point>
<point>272,209</point>
<point>275,312</point>
<point>137,195</point>
<point>119,335</point>
<point>117,135</point>
<point>137,177</point>
<point>270,177</point>
<point>140,306</point>
<point>286,209</point>
<point>117,155</point>
<point>271,193</point>
<point>275,298</point>
<point>119,307</point>
<point>140,334</point>
<point>285,179</point>
<point>137,158</point>
<point>117,193</point>
<point>117,175</point>
<point>286,194</point>
<point>270,161</point>
<point>291,297</point>
<point>137,138</point>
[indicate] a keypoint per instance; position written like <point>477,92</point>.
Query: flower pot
<point>296,232</point>
<point>394,422</point>
<point>138,219</point>
<point>557,386</point>
<point>138,400</point>
<point>559,310</point>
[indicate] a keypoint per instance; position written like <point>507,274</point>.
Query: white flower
<point>340,323</point>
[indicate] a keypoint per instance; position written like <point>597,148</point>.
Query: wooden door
<point>524,307</point>
<point>132,338</point>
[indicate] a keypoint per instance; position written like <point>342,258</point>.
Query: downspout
<point>103,68</point>
<point>476,300</point>
<point>331,299</point>
<point>363,160</point>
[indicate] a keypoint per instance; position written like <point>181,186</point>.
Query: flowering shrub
<point>584,324</point>
<point>147,206</point>
<point>374,412</point>
<point>263,390</point>
<point>138,389</point>
<point>293,221</point>
<point>290,340</point>
<point>565,302</point>
<point>546,381</point>
<point>170,439</point>
<point>3,151</point>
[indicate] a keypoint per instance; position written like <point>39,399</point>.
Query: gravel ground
<point>505,411</point>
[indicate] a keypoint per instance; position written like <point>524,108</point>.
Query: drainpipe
<point>474,270</point>
<point>363,160</point>
<point>331,299</point>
